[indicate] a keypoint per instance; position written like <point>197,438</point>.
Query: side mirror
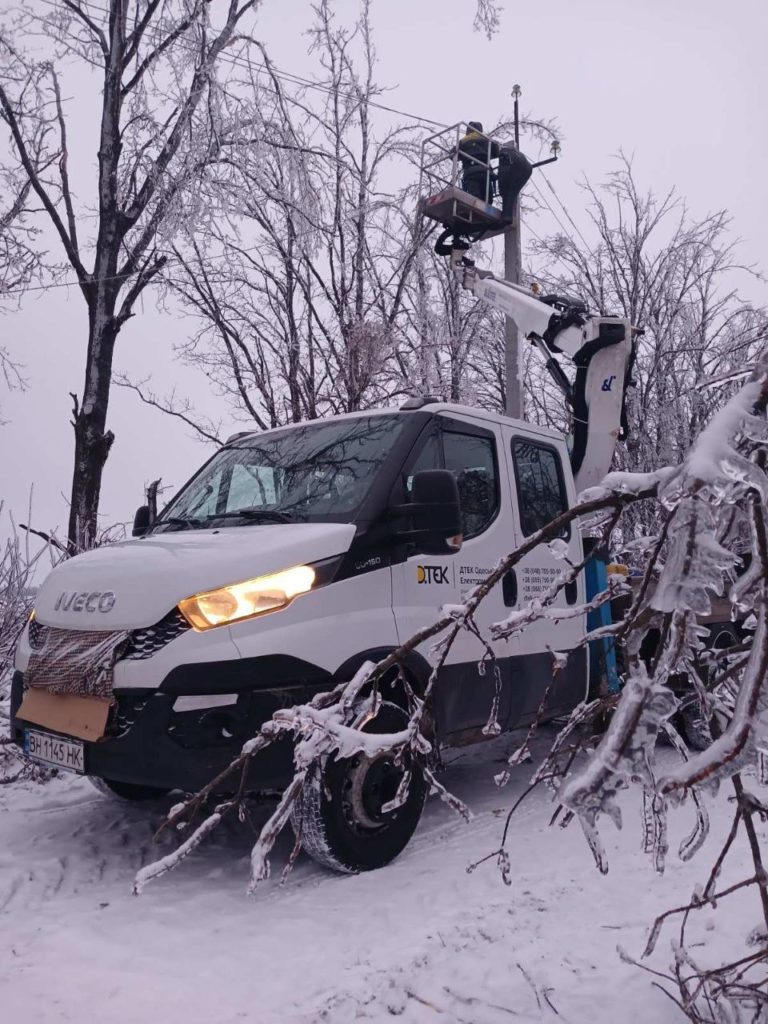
<point>435,512</point>
<point>141,521</point>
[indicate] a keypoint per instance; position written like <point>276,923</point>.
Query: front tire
<point>339,817</point>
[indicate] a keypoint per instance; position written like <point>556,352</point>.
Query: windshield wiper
<point>182,521</point>
<point>264,515</point>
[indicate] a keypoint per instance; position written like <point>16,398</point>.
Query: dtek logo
<point>608,382</point>
<point>431,574</point>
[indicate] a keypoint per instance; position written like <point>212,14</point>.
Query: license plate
<point>55,750</point>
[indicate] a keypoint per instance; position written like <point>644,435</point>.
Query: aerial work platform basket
<point>470,182</point>
<point>463,213</point>
<point>458,181</point>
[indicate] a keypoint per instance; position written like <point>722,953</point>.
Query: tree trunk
<point>92,440</point>
<point>294,341</point>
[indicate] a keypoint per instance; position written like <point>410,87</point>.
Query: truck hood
<point>135,583</point>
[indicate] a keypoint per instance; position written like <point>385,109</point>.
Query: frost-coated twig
<point>270,831</point>
<point>646,702</point>
<point>172,860</point>
<point>692,843</point>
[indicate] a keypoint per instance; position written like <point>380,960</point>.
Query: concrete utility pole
<point>512,268</point>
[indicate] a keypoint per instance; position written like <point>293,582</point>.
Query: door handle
<point>509,588</point>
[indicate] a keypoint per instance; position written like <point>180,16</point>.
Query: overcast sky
<point>680,84</point>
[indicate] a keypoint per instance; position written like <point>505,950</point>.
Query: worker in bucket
<point>476,151</point>
<point>514,171</point>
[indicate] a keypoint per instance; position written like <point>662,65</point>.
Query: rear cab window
<point>541,491</point>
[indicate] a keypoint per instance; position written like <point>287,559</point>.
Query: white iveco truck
<point>293,556</point>
<point>297,554</point>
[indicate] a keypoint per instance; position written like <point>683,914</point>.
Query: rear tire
<point>131,792</point>
<point>339,817</point>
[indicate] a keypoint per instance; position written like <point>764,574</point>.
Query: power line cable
<point>567,214</point>
<point>261,68</point>
<point>533,232</point>
<point>554,213</point>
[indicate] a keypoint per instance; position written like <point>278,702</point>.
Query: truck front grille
<point>37,633</point>
<point>142,643</point>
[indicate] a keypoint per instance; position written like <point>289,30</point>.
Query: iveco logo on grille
<point>85,601</point>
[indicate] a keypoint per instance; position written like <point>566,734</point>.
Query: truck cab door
<point>422,584</point>
<point>541,484</point>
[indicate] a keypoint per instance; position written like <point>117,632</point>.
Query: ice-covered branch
<point>714,473</point>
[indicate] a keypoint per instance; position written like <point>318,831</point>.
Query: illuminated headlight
<point>244,600</point>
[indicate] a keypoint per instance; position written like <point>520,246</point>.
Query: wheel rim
<point>370,784</point>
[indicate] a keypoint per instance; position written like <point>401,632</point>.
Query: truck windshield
<point>321,471</point>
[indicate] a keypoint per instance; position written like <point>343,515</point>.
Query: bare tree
<point>322,296</point>
<point>164,118</point>
<point>453,345</point>
<point>301,312</point>
<point>676,278</point>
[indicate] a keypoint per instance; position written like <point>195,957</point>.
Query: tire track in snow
<point>71,841</point>
<point>440,979</point>
<point>94,845</point>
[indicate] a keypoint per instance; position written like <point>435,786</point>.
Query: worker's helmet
<point>475,125</point>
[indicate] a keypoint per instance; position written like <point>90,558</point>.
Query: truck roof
<point>468,411</point>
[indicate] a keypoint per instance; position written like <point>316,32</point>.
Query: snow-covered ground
<point>421,939</point>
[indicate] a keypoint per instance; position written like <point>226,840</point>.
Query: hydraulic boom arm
<point>600,347</point>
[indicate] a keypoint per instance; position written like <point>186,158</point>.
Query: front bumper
<point>151,743</point>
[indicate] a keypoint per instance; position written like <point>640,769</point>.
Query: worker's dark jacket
<point>476,178</point>
<point>514,171</point>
